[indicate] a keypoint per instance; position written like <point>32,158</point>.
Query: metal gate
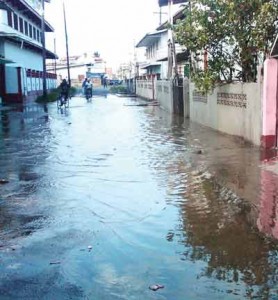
<point>178,96</point>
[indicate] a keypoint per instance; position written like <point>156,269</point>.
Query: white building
<point>156,44</point>
<point>80,66</point>
<point>157,47</point>
<point>21,52</point>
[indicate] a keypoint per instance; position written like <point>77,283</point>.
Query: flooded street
<point>107,198</point>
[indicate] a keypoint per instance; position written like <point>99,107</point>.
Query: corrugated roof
<point>154,64</point>
<point>20,39</point>
<point>150,38</point>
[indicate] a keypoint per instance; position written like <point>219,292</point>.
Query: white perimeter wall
<point>164,92</point>
<point>144,89</point>
<point>233,108</point>
<point>160,90</point>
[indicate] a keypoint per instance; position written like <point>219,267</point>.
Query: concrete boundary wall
<point>160,90</point>
<point>235,109</point>
<point>164,92</point>
<point>146,89</point>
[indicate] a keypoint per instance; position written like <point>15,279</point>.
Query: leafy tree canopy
<point>234,33</point>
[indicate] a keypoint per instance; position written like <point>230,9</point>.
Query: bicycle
<point>88,94</point>
<point>63,101</point>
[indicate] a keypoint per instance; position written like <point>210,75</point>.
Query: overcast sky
<point>111,27</point>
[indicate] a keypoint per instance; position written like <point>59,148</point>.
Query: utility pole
<point>67,46</point>
<point>44,88</point>
<point>55,64</point>
<point>172,50</point>
<point>160,15</point>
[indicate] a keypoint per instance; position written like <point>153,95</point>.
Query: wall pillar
<point>269,103</point>
<point>186,100</point>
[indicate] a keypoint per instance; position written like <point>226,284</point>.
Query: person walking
<point>83,86</point>
<point>105,82</point>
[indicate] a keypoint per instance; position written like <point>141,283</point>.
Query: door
<point>178,96</point>
<point>2,82</point>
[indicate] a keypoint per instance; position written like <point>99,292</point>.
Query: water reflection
<point>218,232</point>
<point>23,145</point>
<point>267,219</point>
<point>218,227</point>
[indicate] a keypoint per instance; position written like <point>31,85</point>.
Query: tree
<point>235,34</point>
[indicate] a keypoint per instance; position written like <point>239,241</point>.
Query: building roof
<point>4,6</point>
<point>150,38</point>
<point>165,2</point>
<point>179,15</point>
<point>27,10</point>
<point>181,56</point>
<point>3,60</point>
<point>274,50</point>
<point>19,39</point>
<point>154,64</point>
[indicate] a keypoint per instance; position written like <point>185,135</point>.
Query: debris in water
<point>140,104</point>
<point>207,175</point>
<point>196,173</point>
<point>156,287</point>
<point>55,262</point>
<point>4,181</point>
<point>200,151</point>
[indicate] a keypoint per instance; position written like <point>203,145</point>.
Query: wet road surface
<point>106,199</point>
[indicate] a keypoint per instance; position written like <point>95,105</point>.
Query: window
<point>38,35</point>
<point>30,30</point>
<point>26,27</point>
<point>10,20</point>
<point>34,33</point>
<point>20,25</point>
<point>15,21</point>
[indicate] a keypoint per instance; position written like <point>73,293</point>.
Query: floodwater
<point>107,198</point>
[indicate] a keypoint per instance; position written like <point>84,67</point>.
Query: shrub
<point>119,89</point>
<point>53,95</point>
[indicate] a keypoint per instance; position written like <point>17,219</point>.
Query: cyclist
<point>64,86</point>
<point>88,89</point>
